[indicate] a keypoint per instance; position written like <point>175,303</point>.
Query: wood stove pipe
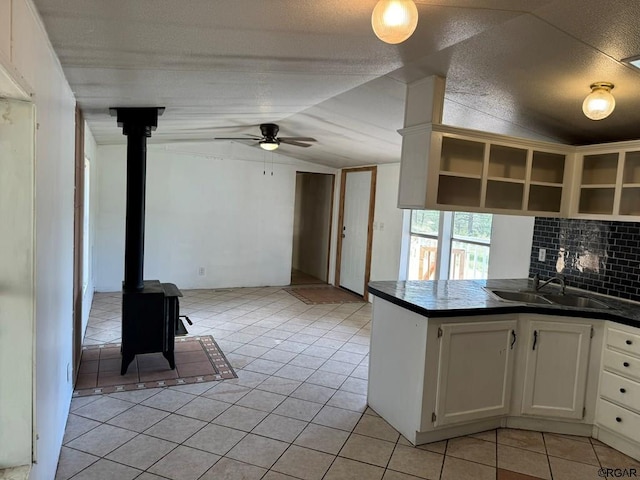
<point>137,124</point>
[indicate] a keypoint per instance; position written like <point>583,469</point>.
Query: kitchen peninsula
<point>451,358</point>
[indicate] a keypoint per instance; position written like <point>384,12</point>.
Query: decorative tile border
<point>219,362</point>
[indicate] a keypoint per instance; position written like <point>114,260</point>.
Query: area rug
<point>198,359</point>
<point>322,294</point>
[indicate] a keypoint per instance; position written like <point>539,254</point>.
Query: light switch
<point>542,254</point>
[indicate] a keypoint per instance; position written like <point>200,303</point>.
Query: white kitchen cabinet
<point>475,365</point>
<point>449,168</point>
<point>478,171</point>
<point>618,411</point>
<point>608,181</point>
<point>556,368</point>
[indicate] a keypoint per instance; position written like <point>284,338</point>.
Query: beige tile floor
<point>296,411</point>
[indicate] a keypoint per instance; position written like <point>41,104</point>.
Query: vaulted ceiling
<point>221,67</point>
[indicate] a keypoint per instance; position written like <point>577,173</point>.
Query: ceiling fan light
<point>269,145</point>
<point>600,102</point>
<point>393,21</point>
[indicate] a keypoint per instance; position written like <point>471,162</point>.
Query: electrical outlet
<point>202,272</point>
<point>542,254</point>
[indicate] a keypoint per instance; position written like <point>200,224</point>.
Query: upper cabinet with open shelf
<point>484,172</point>
<point>448,168</point>
<point>608,181</point>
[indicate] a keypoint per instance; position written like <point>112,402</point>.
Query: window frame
<point>445,239</point>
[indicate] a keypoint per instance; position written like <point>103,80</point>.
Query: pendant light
<point>394,21</point>
<point>599,103</point>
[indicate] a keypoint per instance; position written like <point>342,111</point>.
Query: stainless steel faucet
<point>537,285</point>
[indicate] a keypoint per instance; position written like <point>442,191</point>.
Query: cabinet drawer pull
<point>623,390</point>
<point>618,419</point>
<point>628,342</point>
<point>626,364</point>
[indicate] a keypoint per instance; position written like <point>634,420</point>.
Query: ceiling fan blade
<point>300,139</point>
<point>252,138</point>
<point>294,142</point>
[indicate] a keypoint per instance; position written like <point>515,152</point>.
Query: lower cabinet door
<point>474,371</point>
<point>556,369</point>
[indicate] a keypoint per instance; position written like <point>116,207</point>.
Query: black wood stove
<point>150,309</point>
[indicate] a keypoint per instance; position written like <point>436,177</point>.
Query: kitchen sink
<point>576,301</point>
<point>524,297</point>
<point>568,300</point>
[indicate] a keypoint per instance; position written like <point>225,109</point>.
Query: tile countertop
<point>459,298</point>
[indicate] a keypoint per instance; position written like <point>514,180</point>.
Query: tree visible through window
<point>457,241</point>
<point>470,245</point>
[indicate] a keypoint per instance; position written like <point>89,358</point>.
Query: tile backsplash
<point>599,256</point>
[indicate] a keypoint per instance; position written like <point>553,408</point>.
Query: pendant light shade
<point>599,103</point>
<point>394,21</point>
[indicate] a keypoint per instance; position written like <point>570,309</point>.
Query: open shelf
<point>600,169</point>
<point>599,185</point>
<point>545,198</point>
<point>631,168</point>
<point>547,184</point>
<point>630,201</point>
<point>460,175</point>
<point>547,167</point>
<point>597,200</point>
<point>461,191</point>
<point>506,179</point>
<point>462,156</point>
<point>507,162</point>
<point>504,195</point>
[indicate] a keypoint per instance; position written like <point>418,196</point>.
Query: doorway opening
<point>312,228</point>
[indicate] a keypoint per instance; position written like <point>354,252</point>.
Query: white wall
<point>511,239</point>
<point>387,225</point>
<point>17,124</point>
<point>31,56</point>
<point>207,205</point>
<point>91,153</point>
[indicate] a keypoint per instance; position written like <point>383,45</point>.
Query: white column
<point>423,106</point>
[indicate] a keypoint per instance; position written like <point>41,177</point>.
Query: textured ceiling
<point>314,67</point>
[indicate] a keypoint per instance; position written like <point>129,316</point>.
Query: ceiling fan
<point>270,140</point>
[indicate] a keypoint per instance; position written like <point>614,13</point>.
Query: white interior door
<point>355,228</point>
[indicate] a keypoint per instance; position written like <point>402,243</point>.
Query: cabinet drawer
<point>620,340</point>
<point>621,363</point>
<point>620,390</point>
<point>618,419</point>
